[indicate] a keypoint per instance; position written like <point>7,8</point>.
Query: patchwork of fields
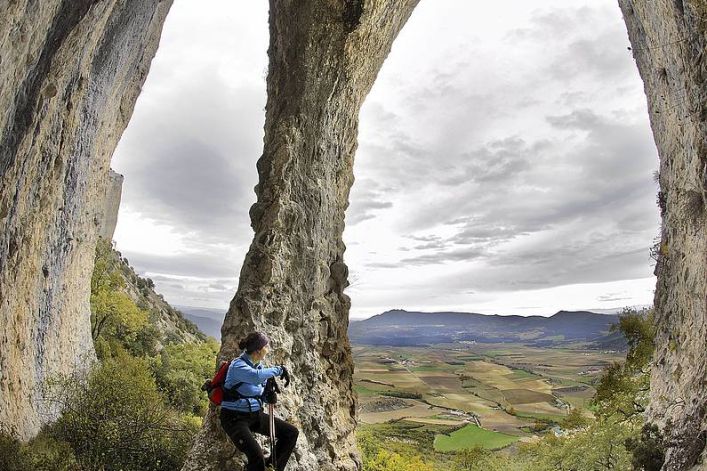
<point>485,394</point>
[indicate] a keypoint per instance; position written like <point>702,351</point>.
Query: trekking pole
<point>271,390</point>
<point>271,410</point>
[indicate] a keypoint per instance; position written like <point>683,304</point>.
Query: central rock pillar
<point>324,57</point>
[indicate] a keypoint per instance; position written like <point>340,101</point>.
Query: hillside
<point>400,327</point>
<point>169,322</point>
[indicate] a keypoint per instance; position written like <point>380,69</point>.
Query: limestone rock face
<point>111,205</point>
<point>70,72</point>
<point>669,39</point>
<point>324,57</point>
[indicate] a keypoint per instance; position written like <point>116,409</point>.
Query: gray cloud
<point>513,164</point>
<point>202,265</point>
<point>370,197</point>
<point>466,255</point>
<point>594,178</point>
<point>610,297</point>
<point>579,51</point>
<point>192,186</point>
<point>189,158</point>
<point>498,161</point>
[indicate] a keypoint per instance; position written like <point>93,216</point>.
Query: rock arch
<point>71,71</point>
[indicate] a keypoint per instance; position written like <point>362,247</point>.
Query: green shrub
<point>648,449</point>
<point>11,456</point>
<point>180,370</point>
<point>42,453</point>
<point>401,394</point>
<point>376,458</point>
<point>114,419</point>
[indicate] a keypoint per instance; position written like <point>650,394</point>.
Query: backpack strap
<point>232,395</point>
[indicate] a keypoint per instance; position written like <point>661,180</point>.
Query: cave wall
<point>324,56</point>
<point>70,72</point>
<point>669,43</point>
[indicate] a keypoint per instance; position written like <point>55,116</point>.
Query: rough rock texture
<point>669,39</point>
<point>111,205</point>
<point>324,57</point>
<point>70,72</point>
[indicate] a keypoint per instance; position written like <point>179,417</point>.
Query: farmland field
<point>470,436</point>
<point>489,395</point>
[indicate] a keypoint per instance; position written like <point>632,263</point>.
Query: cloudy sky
<point>505,161</point>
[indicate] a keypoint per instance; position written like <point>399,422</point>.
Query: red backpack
<point>214,386</point>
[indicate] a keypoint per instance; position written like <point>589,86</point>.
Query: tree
<point>376,458</point>
<point>575,420</point>
<point>42,453</point>
<point>180,370</point>
<point>114,315</point>
<point>598,448</point>
<point>481,459</point>
<point>623,388</point>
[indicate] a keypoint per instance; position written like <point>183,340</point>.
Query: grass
<point>471,436</point>
<point>522,374</point>
<point>364,391</point>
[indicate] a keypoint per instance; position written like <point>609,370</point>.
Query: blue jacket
<point>253,377</point>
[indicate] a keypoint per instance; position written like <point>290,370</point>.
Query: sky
<point>505,162</point>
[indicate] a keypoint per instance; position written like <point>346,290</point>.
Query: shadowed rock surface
<point>114,191</point>
<point>669,39</point>
<point>70,72</point>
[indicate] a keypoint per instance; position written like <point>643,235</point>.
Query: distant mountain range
<point>400,327</point>
<point>208,320</point>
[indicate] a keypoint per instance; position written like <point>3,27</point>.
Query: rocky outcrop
<point>70,72</point>
<point>111,205</point>
<point>324,57</point>
<point>669,42</point>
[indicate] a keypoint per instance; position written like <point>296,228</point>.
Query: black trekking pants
<point>240,427</point>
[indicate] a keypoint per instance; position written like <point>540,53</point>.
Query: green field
<point>472,436</point>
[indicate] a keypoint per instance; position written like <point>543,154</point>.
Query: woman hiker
<point>242,406</point>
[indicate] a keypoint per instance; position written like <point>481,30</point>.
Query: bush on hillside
<point>481,459</point>
<point>402,394</point>
<point>42,453</point>
<point>114,315</point>
<point>114,419</point>
<point>180,369</point>
<point>376,458</point>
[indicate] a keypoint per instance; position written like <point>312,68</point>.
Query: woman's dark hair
<point>253,342</point>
